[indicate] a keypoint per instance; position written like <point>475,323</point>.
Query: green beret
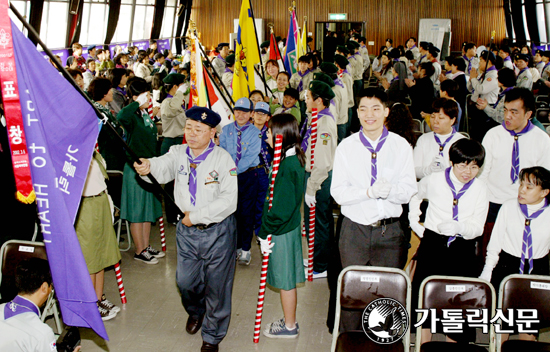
<point>355,44</point>
<point>265,44</point>
<point>323,77</point>
<point>321,89</point>
<point>174,78</point>
<point>342,49</point>
<point>328,67</point>
<point>230,60</point>
<point>341,61</point>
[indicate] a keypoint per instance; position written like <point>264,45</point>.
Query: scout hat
<point>174,79</point>
<point>230,60</point>
<point>244,104</point>
<point>204,115</point>
<point>323,77</point>
<point>265,44</point>
<point>342,49</point>
<point>321,89</point>
<point>328,67</point>
<point>341,60</point>
<point>262,107</point>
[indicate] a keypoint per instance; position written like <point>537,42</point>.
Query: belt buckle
<point>201,227</point>
<point>377,223</point>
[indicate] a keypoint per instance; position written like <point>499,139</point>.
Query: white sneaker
<point>105,303</point>
<point>106,314</point>
<point>317,275</point>
<point>306,262</point>
<point>244,259</point>
<point>155,253</point>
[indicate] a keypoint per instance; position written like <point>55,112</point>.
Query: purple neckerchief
<point>240,131</point>
<point>394,79</point>
<point>545,66</point>
<point>92,72</point>
<point>520,72</point>
<point>262,150</point>
<point>193,164</point>
<point>373,151</point>
<point>168,95</point>
<point>301,84</point>
<point>442,145</point>
<point>492,68</point>
<point>156,64</point>
<point>305,140</point>
<point>412,47</point>
<point>469,63</point>
<point>122,90</point>
<point>338,82</point>
<point>221,58</point>
<point>456,197</point>
<point>173,71</point>
<point>501,95</point>
<point>514,172</point>
<point>227,70</point>
<point>527,248</point>
<point>508,59</point>
<point>422,58</point>
<point>19,305</point>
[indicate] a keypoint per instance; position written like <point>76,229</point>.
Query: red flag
<point>274,53</point>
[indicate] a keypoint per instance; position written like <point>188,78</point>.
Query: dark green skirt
<point>140,201</point>
<point>286,265</point>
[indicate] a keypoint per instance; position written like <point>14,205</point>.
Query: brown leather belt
<point>203,227</point>
<point>97,195</point>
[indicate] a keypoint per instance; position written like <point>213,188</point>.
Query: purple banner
<point>113,48</point>
<point>142,45</point>
<point>60,141</point>
<point>538,47</point>
<point>163,44</point>
<point>63,54</point>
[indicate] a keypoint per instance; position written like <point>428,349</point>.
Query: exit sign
<point>338,16</point>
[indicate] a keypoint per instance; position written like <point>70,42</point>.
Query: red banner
<point>12,110</point>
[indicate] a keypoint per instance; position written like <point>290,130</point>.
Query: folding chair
<point>115,179</point>
<point>454,292</point>
<point>417,125</point>
<point>357,287</point>
<point>465,134</point>
<point>425,127</point>
<point>408,101</point>
<point>542,115</point>
<point>525,292</point>
<point>11,254</point>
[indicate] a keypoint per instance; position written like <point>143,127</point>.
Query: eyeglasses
<point>463,167</point>
<point>194,130</point>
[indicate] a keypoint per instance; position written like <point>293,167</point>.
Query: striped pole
<point>150,109</point>
<point>120,284</point>
<point>261,296</point>
<point>304,229</point>
<point>162,236</point>
<point>265,260</point>
<point>311,247</point>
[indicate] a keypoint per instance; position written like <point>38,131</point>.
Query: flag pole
<point>214,83</point>
<point>68,77</point>
<point>263,81</point>
<point>208,63</point>
<point>262,76</point>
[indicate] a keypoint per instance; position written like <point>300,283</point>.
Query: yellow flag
<point>303,41</point>
<point>199,78</point>
<point>246,53</point>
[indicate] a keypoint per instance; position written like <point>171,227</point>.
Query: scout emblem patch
<point>233,171</point>
<point>325,137</point>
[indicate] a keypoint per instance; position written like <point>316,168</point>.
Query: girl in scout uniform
<point>282,221</point>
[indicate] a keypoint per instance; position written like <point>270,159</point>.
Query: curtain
<point>517,20</point>
<point>112,21</point>
<point>508,18</point>
<point>74,25</point>
<point>183,18</point>
<point>532,23</point>
<point>157,18</point>
<point>35,18</point>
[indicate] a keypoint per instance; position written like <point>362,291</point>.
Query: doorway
<point>330,34</point>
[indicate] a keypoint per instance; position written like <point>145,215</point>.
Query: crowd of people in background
<point>449,149</point>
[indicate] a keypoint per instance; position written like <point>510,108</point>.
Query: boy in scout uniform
<point>318,177</point>
<point>240,139</point>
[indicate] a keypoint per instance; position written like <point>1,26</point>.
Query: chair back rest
<point>442,292</point>
<point>527,292</point>
<point>362,285</point>
<point>11,254</point>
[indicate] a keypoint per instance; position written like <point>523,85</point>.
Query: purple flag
<point>61,129</point>
<point>63,54</point>
<point>142,45</point>
<point>163,44</point>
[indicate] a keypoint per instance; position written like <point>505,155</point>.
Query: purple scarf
<point>240,131</point>
<point>193,164</point>
<point>456,197</point>
<point>501,95</point>
<point>19,305</point>
<point>305,140</point>
<point>301,84</point>
<point>442,145</point>
<point>373,151</point>
<point>514,172</point>
<point>527,248</point>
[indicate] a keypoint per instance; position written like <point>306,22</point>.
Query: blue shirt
<point>250,146</point>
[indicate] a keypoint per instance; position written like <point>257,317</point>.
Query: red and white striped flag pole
<point>265,260</point>
<point>120,284</point>
<point>311,247</point>
<point>162,236</point>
